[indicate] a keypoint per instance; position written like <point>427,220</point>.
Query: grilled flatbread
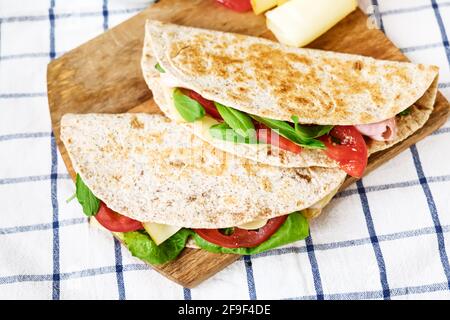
<point>268,79</point>
<point>150,169</point>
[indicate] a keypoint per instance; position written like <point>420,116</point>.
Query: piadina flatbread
<point>147,168</point>
<point>268,79</point>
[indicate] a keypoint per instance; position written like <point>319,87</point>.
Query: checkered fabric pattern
<point>386,237</point>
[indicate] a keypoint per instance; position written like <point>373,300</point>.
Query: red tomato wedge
<point>209,106</point>
<point>346,145</point>
<point>116,222</point>
<point>268,136</point>
<point>241,238</point>
<point>237,5</point>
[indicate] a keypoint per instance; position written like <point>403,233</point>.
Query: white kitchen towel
<point>386,237</point>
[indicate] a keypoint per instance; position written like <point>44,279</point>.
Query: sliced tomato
<point>116,222</point>
<point>241,238</point>
<point>209,106</point>
<point>237,5</point>
<point>266,135</point>
<point>346,145</point>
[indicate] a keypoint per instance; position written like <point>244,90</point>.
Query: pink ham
<point>381,131</point>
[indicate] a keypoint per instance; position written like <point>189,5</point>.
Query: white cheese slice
<point>95,224</point>
<point>280,2</point>
<point>299,22</point>
<point>201,127</point>
<point>259,6</point>
<point>323,202</point>
<point>317,207</point>
<point>160,232</point>
<point>253,225</point>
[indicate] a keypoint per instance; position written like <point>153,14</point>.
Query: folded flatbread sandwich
<point>281,105</point>
<point>154,184</point>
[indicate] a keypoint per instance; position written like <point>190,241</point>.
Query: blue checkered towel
<point>385,237</point>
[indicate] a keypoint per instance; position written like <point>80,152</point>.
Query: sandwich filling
<point>347,145</point>
<point>159,243</point>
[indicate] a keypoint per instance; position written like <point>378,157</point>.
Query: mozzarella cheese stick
<point>259,6</point>
<point>299,22</point>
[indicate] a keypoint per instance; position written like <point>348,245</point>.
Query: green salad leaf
<point>143,247</point>
<point>311,132</point>
<point>237,120</point>
<point>224,132</point>
<point>293,229</point>
<point>405,112</point>
<point>159,68</point>
<point>188,108</point>
<point>286,130</point>
<point>86,198</point>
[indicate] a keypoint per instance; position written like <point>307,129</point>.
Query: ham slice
<point>381,131</point>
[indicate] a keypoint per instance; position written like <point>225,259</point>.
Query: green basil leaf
<point>311,132</point>
<point>188,108</point>
<point>405,112</point>
<point>237,120</point>
<point>295,228</point>
<point>282,127</point>
<point>312,144</point>
<point>159,68</point>
<point>286,130</point>
<point>86,198</point>
<point>223,131</point>
<point>143,247</point>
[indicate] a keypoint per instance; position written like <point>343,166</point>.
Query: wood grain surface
<point>104,75</point>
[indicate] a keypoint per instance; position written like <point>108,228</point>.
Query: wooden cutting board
<point>104,75</point>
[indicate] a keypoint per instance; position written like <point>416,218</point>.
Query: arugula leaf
<point>143,247</point>
<point>293,229</point>
<point>159,68</point>
<point>188,108</point>
<point>237,120</point>
<point>223,131</point>
<point>86,198</point>
<point>405,112</point>
<point>286,130</point>
<point>311,132</point>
